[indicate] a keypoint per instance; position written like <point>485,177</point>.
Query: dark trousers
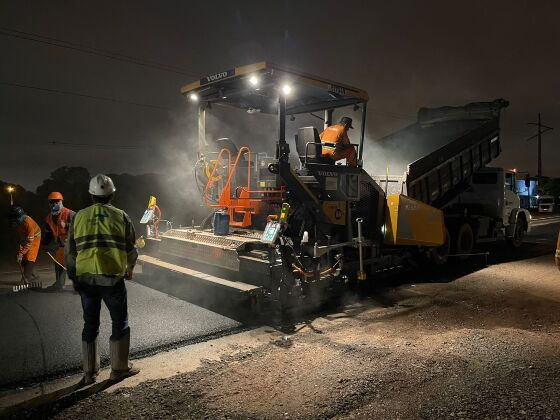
<point>60,277</point>
<point>115,300</point>
<point>29,270</point>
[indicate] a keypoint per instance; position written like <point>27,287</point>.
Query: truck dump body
<point>468,139</point>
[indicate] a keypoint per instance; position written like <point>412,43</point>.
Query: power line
<point>83,95</point>
<point>56,143</point>
<point>93,51</point>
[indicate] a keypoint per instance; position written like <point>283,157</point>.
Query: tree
<point>551,186</point>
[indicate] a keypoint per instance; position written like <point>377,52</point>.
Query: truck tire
<point>464,240</point>
<point>439,254</point>
<point>518,234</point>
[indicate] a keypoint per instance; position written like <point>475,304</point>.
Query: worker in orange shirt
<point>336,143</point>
<point>58,221</point>
<point>29,235</point>
<point>557,255</point>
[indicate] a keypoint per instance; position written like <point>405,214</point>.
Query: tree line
<point>133,192</point>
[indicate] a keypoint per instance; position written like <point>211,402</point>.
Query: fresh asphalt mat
<point>41,332</point>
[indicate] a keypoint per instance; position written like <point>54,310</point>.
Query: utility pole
<point>541,129</point>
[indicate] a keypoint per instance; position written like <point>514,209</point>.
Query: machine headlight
<point>254,81</point>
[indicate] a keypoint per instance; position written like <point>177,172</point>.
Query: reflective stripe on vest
<point>99,233</point>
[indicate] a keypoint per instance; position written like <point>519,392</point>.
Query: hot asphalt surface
<point>41,332</point>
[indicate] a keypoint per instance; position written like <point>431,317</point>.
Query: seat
<point>307,135</point>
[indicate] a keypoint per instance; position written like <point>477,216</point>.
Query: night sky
<point>406,54</point>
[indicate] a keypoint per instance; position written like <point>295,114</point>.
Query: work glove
<point>19,257</point>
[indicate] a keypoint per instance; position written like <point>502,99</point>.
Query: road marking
<point>545,221</point>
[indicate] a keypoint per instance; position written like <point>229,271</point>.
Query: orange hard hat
<point>55,196</point>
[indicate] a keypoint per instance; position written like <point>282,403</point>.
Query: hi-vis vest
<point>60,228</point>
<point>333,135</point>
<point>99,233</point>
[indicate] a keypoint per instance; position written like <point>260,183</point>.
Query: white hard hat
<point>101,185</point>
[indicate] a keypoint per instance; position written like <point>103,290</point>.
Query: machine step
<point>241,287</point>
<point>308,179</point>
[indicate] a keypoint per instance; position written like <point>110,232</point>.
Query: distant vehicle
<point>546,204</point>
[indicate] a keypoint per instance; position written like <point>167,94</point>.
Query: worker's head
<point>55,202</point>
<point>101,188</point>
<point>346,122</point>
<point>16,216</point>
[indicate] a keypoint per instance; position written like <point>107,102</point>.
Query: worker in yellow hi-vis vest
<point>99,255</point>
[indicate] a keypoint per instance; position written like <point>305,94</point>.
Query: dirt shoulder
<point>485,345</point>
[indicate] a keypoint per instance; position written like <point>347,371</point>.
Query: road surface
<point>478,342</point>
<point>41,331</point>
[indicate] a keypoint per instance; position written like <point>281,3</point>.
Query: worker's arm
<point>48,236</point>
<point>345,139</point>
<point>557,255</point>
<point>71,216</point>
<point>70,254</point>
<point>28,238</point>
<point>131,252</point>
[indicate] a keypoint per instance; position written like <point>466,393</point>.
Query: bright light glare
<point>10,188</point>
<point>193,97</point>
<point>254,80</point>
<point>286,89</point>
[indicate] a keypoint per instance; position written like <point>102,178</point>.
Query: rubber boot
<point>90,359</point>
<point>120,367</point>
<point>62,282</point>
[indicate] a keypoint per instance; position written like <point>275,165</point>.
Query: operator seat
<point>314,152</point>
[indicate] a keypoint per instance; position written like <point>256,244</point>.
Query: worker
<point>336,144</point>
<point>99,255</point>
<point>29,241</point>
<point>58,221</point>
<point>557,255</point>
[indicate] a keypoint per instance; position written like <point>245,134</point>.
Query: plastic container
<point>220,223</point>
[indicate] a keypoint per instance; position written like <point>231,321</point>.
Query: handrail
<point>280,191</point>
<point>210,179</point>
<point>227,187</point>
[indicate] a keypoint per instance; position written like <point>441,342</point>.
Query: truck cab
<point>492,201</point>
<point>546,204</point>
<point>492,193</point>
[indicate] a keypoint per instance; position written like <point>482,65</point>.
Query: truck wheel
<point>464,240</point>
<point>518,234</point>
<point>439,254</point>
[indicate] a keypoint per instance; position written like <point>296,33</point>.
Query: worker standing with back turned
<point>100,254</point>
<point>336,144</point>
<point>58,222</point>
<point>29,238</point>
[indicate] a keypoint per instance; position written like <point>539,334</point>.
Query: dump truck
<point>480,203</point>
<point>294,224</point>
